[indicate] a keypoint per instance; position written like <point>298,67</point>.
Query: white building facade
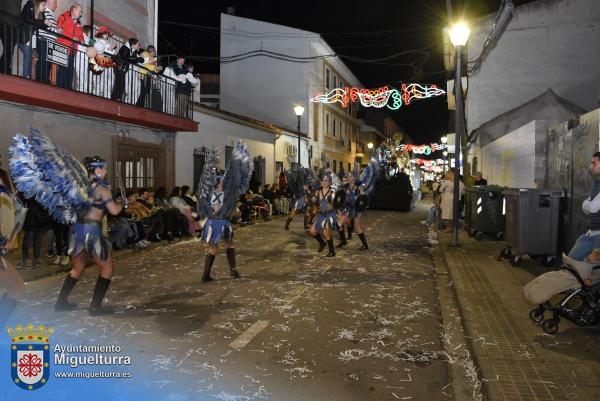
<point>548,44</point>
<point>267,88</point>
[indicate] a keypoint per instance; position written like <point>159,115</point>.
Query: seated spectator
<point>178,203</point>
<point>154,218</point>
<point>176,224</point>
<point>258,205</point>
<point>189,197</point>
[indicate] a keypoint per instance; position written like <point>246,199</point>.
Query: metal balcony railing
<point>37,54</point>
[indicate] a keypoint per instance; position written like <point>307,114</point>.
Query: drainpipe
<point>156,23</point>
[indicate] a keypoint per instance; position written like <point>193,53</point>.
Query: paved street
<point>297,326</point>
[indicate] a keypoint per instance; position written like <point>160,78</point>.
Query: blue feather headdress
<point>368,177</point>
<point>237,177</point>
<point>43,170</point>
<point>207,182</point>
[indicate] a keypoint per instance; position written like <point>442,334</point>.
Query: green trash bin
<point>486,211</point>
<point>532,224</point>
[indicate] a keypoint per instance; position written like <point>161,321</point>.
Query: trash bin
<point>470,195</point>
<point>485,211</point>
<point>532,221</point>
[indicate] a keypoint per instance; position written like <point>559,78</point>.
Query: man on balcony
<point>128,54</point>
<point>72,29</point>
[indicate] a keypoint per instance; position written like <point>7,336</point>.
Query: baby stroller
<point>580,284</point>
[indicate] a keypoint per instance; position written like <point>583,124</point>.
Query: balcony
<point>49,70</point>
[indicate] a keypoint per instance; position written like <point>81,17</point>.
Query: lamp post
<point>370,146</point>
<point>459,34</point>
<point>299,110</point>
<point>445,153</point>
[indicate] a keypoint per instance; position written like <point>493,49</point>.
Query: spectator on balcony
<point>128,54</point>
<point>71,29</point>
<point>8,32</point>
<point>81,64</point>
<point>102,82</point>
<point>150,68</point>
<point>45,71</point>
<point>33,15</point>
<point>175,90</point>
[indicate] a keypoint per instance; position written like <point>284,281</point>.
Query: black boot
<point>231,259</point>
<point>342,238</point>
<point>320,241</point>
<point>96,307</point>
<point>330,247</point>
<point>306,227</point>
<point>62,303</point>
<point>350,229</point>
<point>363,239</point>
<point>208,262</point>
<point>287,223</point>
<point>7,306</point>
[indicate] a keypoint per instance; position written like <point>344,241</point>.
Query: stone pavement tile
<point>517,360</point>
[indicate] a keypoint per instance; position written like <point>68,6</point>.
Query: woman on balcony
<point>33,14</point>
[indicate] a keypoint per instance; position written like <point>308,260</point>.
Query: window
<point>333,125</point>
<point>341,84</point>
<point>349,167</point>
<point>228,152</point>
<point>340,129</point>
<point>335,166</point>
<point>327,130</point>
<point>327,78</point>
<point>138,164</point>
<point>334,82</point>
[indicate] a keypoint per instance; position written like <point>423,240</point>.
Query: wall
<point>81,136</point>
<point>218,132</point>
<point>570,149</point>
<point>537,52</point>
<point>510,160</point>
<point>281,150</point>
<point>264,88</point>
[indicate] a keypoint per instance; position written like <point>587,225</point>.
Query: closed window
<point>335,166</point>
<point>327,78</point>
<point>334,82</point>
<point>334,127</point>
<point>137,164</point>
<point>327,129</point>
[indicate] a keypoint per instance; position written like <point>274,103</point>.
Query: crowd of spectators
<point>94,63</point>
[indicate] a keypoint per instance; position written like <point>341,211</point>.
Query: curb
<point>464,376</point>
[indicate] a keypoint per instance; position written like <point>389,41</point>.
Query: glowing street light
<point>444,139</point>
<point>459,35</point>
<point>299,110</point>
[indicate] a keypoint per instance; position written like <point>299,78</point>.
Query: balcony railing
<point>53,59</point>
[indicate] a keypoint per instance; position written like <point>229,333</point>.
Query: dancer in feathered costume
<point>327,220</point>
<point>300,182</point>
<point>12,216</point>
<point>72,193</point>
<point>358,191</point>
<point>217,196</point>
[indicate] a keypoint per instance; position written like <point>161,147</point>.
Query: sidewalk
<point>517,360</point>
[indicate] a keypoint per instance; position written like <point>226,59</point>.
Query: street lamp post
<point>370,146</point>
<point>299,110</point>
<point>459,34</point>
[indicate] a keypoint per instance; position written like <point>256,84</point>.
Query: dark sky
<point>351,28</point>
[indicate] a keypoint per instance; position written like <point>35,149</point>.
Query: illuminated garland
<point>422,149</point>
<point>378,98</point>
<point>429,163</point>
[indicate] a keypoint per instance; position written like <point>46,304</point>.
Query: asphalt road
<point>297,326</point>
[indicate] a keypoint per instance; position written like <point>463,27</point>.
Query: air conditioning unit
<point>291,150</point>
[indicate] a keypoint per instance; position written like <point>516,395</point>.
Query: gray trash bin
<point>532,221</point>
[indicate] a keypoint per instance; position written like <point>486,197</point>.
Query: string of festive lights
<point>380,97</point>
<point>428,163</point>
<point>422,149</point>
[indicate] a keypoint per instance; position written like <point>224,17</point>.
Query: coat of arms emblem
<point>30,356</point>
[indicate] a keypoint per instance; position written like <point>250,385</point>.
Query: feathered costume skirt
<point>300,204</point>
<point>215,229</point>
<point>327,219</point>
<point>87,236</point>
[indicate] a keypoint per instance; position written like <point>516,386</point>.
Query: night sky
<point>367,29</point>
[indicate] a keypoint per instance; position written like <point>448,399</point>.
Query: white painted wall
<point>548,44</point>
<point>264,88</point>
<point>510,161</point>
<point>219,132</point>
<point>267,89</point>
<point>281,150</point>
